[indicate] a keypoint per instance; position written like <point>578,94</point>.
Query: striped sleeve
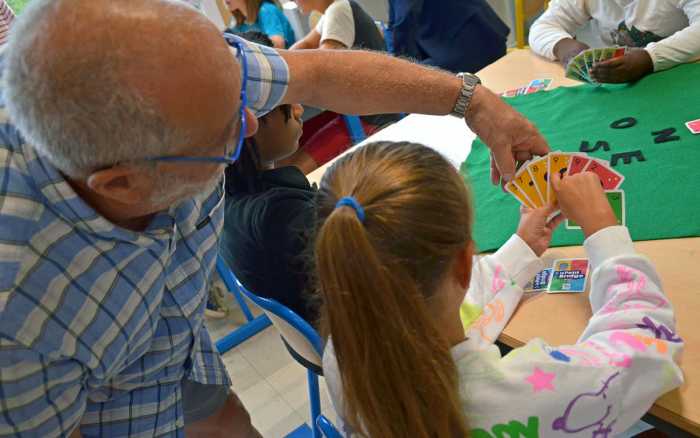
<point>38,396</point>
<point>268,76</point>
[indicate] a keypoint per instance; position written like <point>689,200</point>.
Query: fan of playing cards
<point>531,184</point>
<point>579,67</point>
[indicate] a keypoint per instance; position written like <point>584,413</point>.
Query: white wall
<point>378,9</point>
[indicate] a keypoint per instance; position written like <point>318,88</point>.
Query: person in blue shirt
<point>262,16</point>
<point>460,36</point>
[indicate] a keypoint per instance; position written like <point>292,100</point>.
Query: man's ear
<point>462,270</point>
<point>251,123</point>
<point>122,183</point>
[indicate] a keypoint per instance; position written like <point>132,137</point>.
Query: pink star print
<point>541,380</point>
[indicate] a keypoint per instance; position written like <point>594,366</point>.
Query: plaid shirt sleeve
<point>38,396</point>
<point>207,366</point>
<point>268,76</point>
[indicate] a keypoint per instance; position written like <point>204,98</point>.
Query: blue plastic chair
<point>250,328</point>
<point>301,340</point>
<point>388,35</point>
<point>327,428</point>
<point>354,125</point>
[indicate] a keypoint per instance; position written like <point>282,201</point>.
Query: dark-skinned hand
<point>631,67</point>
<point>566,49</point>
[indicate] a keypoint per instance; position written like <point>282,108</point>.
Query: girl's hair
<point>375,278</point>
<point>253,8</point>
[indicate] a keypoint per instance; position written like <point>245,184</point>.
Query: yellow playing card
<point>558,163</point>
<point>538,170</point>
<point>526,184</point>
<point>520,196</point>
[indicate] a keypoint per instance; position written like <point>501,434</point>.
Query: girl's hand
<point>582,199</point>
<point>535,229</point>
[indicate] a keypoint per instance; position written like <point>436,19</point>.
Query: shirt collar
<point>288,176</point>
<point>64,201</point>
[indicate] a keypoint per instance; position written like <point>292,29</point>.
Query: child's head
<point>277,137</point>
<point>279,130</point>
<point>387,281</point>
<point>308,6</point>
<point>244,10</point>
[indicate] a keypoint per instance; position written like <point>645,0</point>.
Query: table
<point>560,319</point>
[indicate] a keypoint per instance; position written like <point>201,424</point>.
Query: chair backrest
<point>327,428</point>
<point>355,128</point>
<point>295,331</point>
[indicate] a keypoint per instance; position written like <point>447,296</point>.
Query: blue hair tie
<point>350,201</point>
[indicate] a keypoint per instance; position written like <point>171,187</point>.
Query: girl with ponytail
<point>412,315</point>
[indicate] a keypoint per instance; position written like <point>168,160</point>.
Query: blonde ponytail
<point>398,376</point>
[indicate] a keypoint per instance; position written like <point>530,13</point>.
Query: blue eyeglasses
<point>230,39</point>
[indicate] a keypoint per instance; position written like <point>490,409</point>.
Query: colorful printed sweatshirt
<point>624,360</point>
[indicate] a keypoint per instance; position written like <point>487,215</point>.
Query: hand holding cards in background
<point>632,66</point>
<point>566,49</point>
<point>582,199</point>
<point>581,66</point>
<point>536,228</point>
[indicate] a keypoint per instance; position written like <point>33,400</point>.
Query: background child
<point>667,30</point>
<point>395,260</point>
<point>262,16</point>
<point>269,211</point>
<point>344,25</point>
<point>455,35</point>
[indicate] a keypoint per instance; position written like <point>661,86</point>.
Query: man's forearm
<point>360,82</point>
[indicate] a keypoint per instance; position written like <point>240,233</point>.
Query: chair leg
<point>519,24</point>
<point>242,333</point>
<point>314,402</point>
<point>230,282</point>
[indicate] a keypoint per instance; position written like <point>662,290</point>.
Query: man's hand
<point>634,65</point>
<point>567,48</point>
<point>535,229</point>
<point>505,131</point>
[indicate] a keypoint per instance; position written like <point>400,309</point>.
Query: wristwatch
<point>469,83</point>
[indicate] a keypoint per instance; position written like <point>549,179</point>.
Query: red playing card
<point>694,126</point>
<point>619,52</point>
<point>608,177</point>
<point>577,164</point>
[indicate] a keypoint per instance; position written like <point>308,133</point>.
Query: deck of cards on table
<point>533,87</point>
<point>565,276</point>
<point>580,66</point>
<point>532,188</point>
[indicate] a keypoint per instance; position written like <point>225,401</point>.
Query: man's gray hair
<point>74,105</point>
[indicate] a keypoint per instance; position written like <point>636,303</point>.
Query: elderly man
<point>122,116</point>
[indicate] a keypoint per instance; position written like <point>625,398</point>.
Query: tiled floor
<point>271,385</point>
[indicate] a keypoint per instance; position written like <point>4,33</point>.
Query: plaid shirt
<point>99,324</point>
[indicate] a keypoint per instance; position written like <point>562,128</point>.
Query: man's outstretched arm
<point>361,82</point>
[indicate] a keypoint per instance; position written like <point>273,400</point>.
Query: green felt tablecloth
<point>663,192</point>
